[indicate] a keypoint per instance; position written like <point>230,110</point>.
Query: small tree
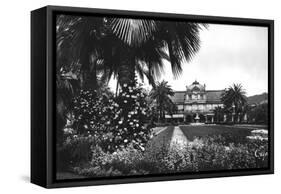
<point>234,100</point>
<point>219,114</point>
<point>161,93</point>
<point>131,116</point>
<point>259,114</point>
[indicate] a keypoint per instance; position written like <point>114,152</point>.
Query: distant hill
<point>258,99</point>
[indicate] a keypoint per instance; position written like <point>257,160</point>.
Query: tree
<point>234,100</point>
<point>258,114</point>
<point>161,93</point>
<point>124,46</point>
<point>103,47</point>
<point>219,114</point>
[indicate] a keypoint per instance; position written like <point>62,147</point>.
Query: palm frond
<point>133,32</point>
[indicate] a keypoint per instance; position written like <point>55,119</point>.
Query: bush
<point>126,161</point>
<point>203,154</point>
<point>74,151</point>
<point>210,153</point>
<point>115,122</point>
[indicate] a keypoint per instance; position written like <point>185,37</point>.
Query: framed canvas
<point>126,96</point>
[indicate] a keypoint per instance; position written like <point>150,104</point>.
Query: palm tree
<point>125,46</point>
<point>149,41</point>
<point>100,47</point>
<point>161,93</point>
<point>234,100</point>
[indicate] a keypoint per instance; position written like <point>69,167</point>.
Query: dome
<point>195,82</point>
<point>196,87</point>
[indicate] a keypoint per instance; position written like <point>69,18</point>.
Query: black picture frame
<point>43,123</point>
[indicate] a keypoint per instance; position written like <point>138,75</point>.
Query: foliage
<point>219,114</point>
<point>107,46</point>
<point>125,161</point>
<point>203,154</point>
<point>74,151</point>
<point>93,113</point>
<point>161,93</point>
<point>116,122</point>
<point>259,114</point>
<point>130,118</point>
<point>234,101</point>
<point>90,50</point>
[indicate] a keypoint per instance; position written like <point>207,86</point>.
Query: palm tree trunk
<point>126,73</point>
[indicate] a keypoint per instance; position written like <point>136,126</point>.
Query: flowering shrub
<point>130,118</point>
<point>204,154</point>
<point>115,122</point>
<point>93,113</point>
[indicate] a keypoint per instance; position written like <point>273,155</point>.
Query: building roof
<point>213,96</point>
<point>178,97</point>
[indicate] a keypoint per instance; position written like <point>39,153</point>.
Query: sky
<point>228,54</point>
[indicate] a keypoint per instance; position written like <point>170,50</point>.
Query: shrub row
<point>206,154</point>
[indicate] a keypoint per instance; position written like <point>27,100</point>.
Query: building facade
<point>196,104</point>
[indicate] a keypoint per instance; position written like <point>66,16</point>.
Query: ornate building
<point>196,104</point>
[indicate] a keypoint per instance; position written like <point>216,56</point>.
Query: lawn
<point>162,140</point>
<point>232,134</point>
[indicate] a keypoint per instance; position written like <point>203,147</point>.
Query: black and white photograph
<point>145,96</point>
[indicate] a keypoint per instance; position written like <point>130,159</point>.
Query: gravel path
<point>178,139</point>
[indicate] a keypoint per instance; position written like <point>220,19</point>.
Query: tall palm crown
<point>161,93</point>
<point>121,46</point>
<point>234,97</point>
<point>90,50</point>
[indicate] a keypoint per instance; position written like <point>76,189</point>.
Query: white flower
<point>129,116</point>
<point>125,101</point>
<point>131,123</point>
<point>142,148</point>
<point>125,85</point>
<point>68,130</point>
<point>120,122</point>
<point>125,140</point>
<point>137,125</point>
